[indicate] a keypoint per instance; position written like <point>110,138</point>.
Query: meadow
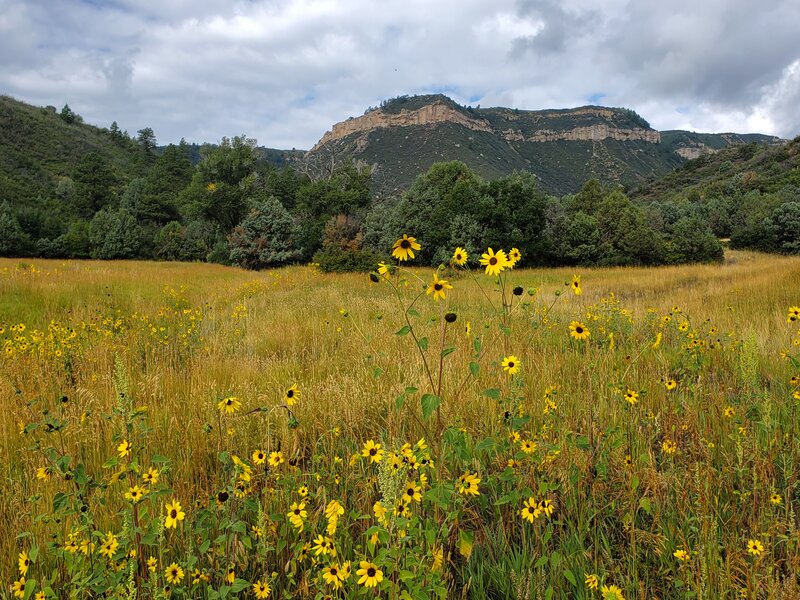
<point>198,431</point>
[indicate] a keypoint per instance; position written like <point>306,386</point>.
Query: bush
<point>339,260</point>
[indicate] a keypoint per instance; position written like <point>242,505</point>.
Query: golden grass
<point>255,334</point>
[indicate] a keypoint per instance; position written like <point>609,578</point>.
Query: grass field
<point>128,386</point>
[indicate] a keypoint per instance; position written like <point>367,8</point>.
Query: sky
<point>284,71</point>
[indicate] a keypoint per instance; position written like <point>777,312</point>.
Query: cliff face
<point>439,112</point>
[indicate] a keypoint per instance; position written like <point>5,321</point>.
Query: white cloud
<point>284,71</point>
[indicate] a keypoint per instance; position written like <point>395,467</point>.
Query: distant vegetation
<point>69,190</point>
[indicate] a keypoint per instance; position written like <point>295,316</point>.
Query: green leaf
<point>548,593</point>
<point>448,351</point>
<point>476,345</point>
<point>466,540</point>
<point>33,553</point>
<point>423,344</point>
<point>570,577</point>
<point>158,459</point>
<point>400,401</point>
<point>644,504</point>
<point>413,312</point>
<point>582,442</point>
<point>411,390</point>
<point>60,500</point>
<point>555,559</point>
<point>541,562</point>
<point>493,393</point>
<point>377,372</point>
<point>474,368</point>
<point>404,330</point>
<point>429,404</point>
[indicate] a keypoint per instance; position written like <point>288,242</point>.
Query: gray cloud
<point>284,71</point>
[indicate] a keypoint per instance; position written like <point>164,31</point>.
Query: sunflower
<point>412,492</point>
<point>152,563</point>
<point>275,458</point>
<point>297,514</point>
<point>729,411</point>
<point>24,562</point>
<point>259,457</point>
<point>174,514</point>
<point>468,484</point>
<point>135,494</point>
<point>261,589</point>
<point>755,547</point>
<point>459,258</point>
<point>372,451</point>
<point>547,508</point>
<point>380,512</point>
<point>681,555</point>
<point>292,395</point>
<point>775,499</point>
<point>530,511</point>
<point>670,384</point>
<point>631,397</point>
<point>576,285</point>
<point>794,314</point>
<point>579,331</point>
<point>494,263</point>
<point>173,574</point>
<point>514,256</point>
<point>669,447</point>
<point>369,574</point>
<point>18,587</point>
<point>150,477</point>
<point>324,546</point>
<point>437,287</point>
<point>590,581</point>
<point>43,473</point>
<point>511,364</point>
<point>109,545</point>
<point>124,449</point>
<point>528,446</point>
<point>333,576</point>
<point>404,248</point>
<point>384,270</point>
<point>230,577</point>
<point>612,592</point>
<point>229,405</point>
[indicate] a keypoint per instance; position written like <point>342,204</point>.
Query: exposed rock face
<point>439,112</point>
<point>692,152</point>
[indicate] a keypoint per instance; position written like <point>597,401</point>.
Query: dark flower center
<point>334,572</point>
<point>173,513</point>
<point>405,244</point>
<point>437,287</point>
<point>579,330</point>
<point>297,511</point>
<point>493,261</point>
<point>410,491</point>
<point>370,572</point>
<point>372,451</point>
<point>510,364</point>
<point>290,393</point>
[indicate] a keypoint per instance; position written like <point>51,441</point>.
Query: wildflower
<point>384,270</point>
<point>173,574</point>
<point>404,248</point>
<point>755,547</point>
<point>530,510</point>
<point>261,589</point>
<point>150,477</point>
<point>437,287</point>
<point>468,329</point>
<point>174,514</point>
<point>71,545</point>
<point>334,509</point>
<point>546,507</point>
<point>494,263</point>
<point>43,473</point>
<point>794,314</point>
<point>124,449</point>
<point>670,384</point>
<point>292,395</point>
<point>774,499</point>
<point>24,562</point>
<point>631,397</point>
<point>657,343</point>
<point>683,326</point>
<point>275,458</point>
<point>109,545</point>
<point>332,576</point>
<point>511,364</point>
<point>412,492</point>
<point>135,494</point>
<point>297,514</point>
<point>528,446</point>
<point>578,331</point>
<point>40,595</point>
<point>459,257</point>
<point>323,545</point>
<point>612,592</point>
<point>229,405</point>
<point>468,484</point>
<point>576,285</point>
<point>681,555</point>
<point>259,457</point>
<point>729,411</point>
<point>369,573</point>
<point>302,491</point>
<point>230,577</point>
<point>18,587</point>
<point>669,447</point>
<point>152,563</point>
<point>380,512</point>
<point>256,531</point>
<point>514,256</point>
<point>590,581</point>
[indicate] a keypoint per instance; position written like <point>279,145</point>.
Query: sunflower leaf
<point>429,404</point>
<point>404,330</point>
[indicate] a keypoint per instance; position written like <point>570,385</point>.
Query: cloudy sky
<point>283,71</point>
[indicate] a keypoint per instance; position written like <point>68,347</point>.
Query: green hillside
<point>38,147</point>
<point>501,143</point>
